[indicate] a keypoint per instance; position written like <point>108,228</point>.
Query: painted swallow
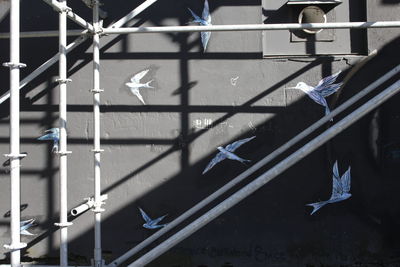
<point>150,223</point>
<point>227,153</point>
<point>324,88</point>
<point>204,20</point>
<point>25,225</point>
<point>340,189</point>
<point>53,134</point>
<point>135,84</point>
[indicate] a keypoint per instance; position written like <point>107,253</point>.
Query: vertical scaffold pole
<point>63,153</point>
<point>15,155</point>
<point>98,261</point>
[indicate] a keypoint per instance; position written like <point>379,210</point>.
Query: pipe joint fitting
<point>15,156</point>
<point>14,65</point>
<point>64,9</point>
<point>63,153</point>
<point>63,225</point>
<point>16,246</point>
<point>95,91</point>
<point>59,80</point>
<point>97,150</point>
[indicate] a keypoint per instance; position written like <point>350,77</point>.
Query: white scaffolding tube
<point>133,13</point>
<point>62,80</point>
<point>15,155</point>
<point>98,261</point>
<point>74,17</point>
<point>37,34</point>
<point>256,27</point>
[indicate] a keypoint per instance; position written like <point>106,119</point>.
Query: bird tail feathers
<point>316,206</point>
<point>148,84</point>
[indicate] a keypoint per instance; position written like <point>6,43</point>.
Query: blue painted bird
<point>25,225</point>
<point>205,20</point>
<point>340,189</point>
<point>227,153</point>
<point>150,223</point>
<point>54,135</point>
<point>324,88</point>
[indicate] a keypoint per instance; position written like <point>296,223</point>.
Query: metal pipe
<point>98,261</point>
<point>44,67</point>
<point>74,17</point>
<point>86,206</point>
<point>36,34</point>
<point>14,155</point>
<point>267,176</point>
<point>63,136</point>
<point>255,27</point>
<point>35,265</point>
<point>133,13</point>
<point>254,168</point>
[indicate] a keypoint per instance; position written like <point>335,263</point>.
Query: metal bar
<point>133,13</point>
<point>267,176</point>
<point>254,168</point>
<point>14,66</point>
<point>256,27</point>
<point>34,265</point>
<point>63,135</point>
<point>98,260</point>
<point>74,17</point>
<point>36,34</point>
<point>44,67</point>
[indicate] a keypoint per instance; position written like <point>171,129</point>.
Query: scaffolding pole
<point>255,27</point>
<point>63,153</point>
<point>37,34</point>
<point>97,209</point>
<point>267,176</point>
<point>15,154</point>
<point>254,168</point>
<point>74,17</point>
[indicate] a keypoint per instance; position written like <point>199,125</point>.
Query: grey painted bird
<point>25,225</point>
<point>150,223</point>
<point>340,189</point>
<point>135,84</point>
<point>204,20</point>
<point>324,88</point>
<point>54,135</point>
<point>227,153</point>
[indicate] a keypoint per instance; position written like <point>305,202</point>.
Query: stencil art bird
<point>204,20</point>
<point>135,84</point>
<point>25,225</point>
<point>54,135</point>
<point>227,153</point>
<point>324,88</point>
<point>340,189</point>
<point>150,223</point>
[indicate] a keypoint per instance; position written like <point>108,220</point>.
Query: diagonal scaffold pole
<point>267,176</point>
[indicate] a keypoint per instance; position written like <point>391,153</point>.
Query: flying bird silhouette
<point>150,223</point>
<point>54,135</point>
<point>340,189</point>
<point>25,225</point>
<point>324,88</point>
<point>204,20</point>
<point>135,84</point>
<point>227,153</point>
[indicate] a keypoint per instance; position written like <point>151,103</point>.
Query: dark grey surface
<point>154,154</point>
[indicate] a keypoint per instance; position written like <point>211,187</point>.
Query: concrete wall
<point>155,153</point>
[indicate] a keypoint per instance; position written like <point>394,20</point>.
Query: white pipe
<point>74,17</point>
<point>14,155</point>
<point>255,27</point>
<point>86,206</point>
<point>44,66</point>
<point>63,136</point>
<point>98,260</point>
<point>133,13</point>
<point>36,34</point>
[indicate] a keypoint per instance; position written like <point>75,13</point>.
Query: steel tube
<point>98,261</point>
<point>133,13</point>
<point>254,168</point>
<point>37,34</point>
<point>44,67</point>
<point>15,133</point>
<point>267,176</point>
<point>74,17</point>
<point>63,136</point>
<point>255,27</point>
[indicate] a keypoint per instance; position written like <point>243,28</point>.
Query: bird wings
<point>325,86</point>
<point>156,221</point>
<point>218,158</point>
<point>235,145</point>
<point>137,77</point>
<point>340,185</point>
<point>206,12</point>
<point>196,18</point>
<point>145,216</point>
